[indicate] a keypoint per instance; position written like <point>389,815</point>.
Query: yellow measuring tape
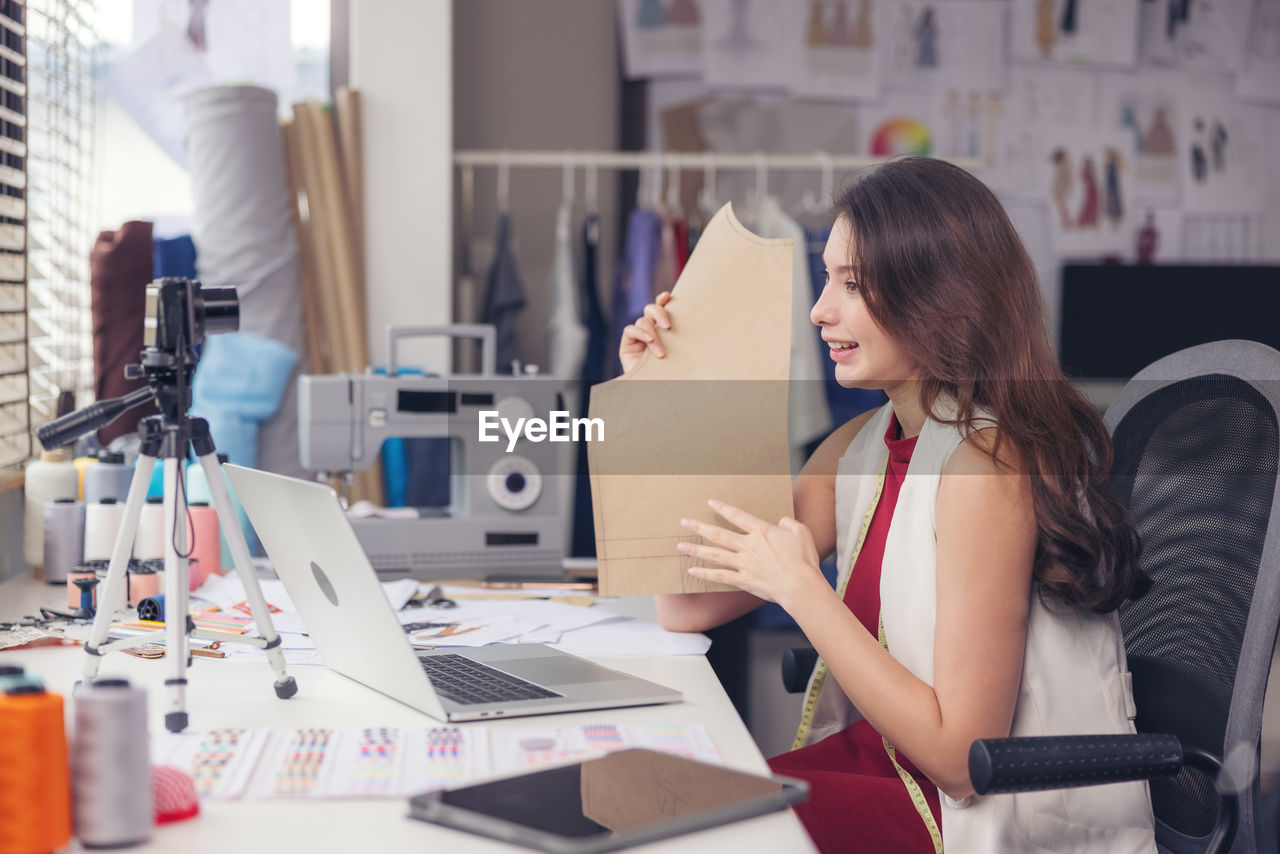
<point>913,787</point>
<point>820,678</point>
<point>820,672</point>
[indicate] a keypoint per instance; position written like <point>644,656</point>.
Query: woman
<point>981,552</point>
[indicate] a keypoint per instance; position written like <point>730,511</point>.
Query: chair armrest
<point>797,666</point>
<point>1003,765</point>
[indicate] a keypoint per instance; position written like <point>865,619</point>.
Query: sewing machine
<point>504,513</point>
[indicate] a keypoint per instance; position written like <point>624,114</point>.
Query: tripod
<point>168,437</point>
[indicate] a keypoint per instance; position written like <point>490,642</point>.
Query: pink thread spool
<point>145,579</point>
<point>208,548</point>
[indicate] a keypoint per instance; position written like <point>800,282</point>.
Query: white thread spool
<point>49,478</point>
<point>101,525</point>
<point>111,764</point>
<point>63,538</point>
<point>148,543</point>
<point>110,478</point>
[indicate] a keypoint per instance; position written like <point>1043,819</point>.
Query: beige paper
<point>709,420</point>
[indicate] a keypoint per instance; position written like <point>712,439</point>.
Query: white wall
<point>401,61</point>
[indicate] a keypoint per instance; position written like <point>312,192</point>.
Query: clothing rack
<point>667,160</point>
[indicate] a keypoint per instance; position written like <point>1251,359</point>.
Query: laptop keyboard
<point>470,683</point>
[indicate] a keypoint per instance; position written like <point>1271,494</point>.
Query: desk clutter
<point>96,781</point>
<point>396,762</point>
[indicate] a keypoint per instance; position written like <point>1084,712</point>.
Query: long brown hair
<point>943,271</point>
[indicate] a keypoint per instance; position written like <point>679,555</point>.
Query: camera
<point>179,314</point>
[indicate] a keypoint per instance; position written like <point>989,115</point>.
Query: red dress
<point>857,802</point>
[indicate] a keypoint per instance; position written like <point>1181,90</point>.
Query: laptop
<point>336,592</point>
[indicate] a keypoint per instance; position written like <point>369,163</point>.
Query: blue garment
<point>633,287</point>
<point>504,299</point>
<point>175,257</point>
<point>593,365</point>
<point>237,387</point>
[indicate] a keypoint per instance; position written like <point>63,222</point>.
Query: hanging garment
<point>120,266</point>
<point>504,298</point>
<point>844,403</point>
<point>666,267</point>
<point>593,365</point>
<point>244,235</point>
<point>633,286</point>
<point>808,416</point>
<point>566,334</point>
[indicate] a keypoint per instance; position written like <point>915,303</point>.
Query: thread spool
<point>111,764</point>
<point>101,526</point>
<point>51,477</point>
<point>142,581</point>
<point>79,573</point>
<point>151,608</point>
<point>148,542</point>
<point>207,548</point>
<point>63,538</point>
<point>110,478</point>
<point>35,800</point>
<point>82,465</point>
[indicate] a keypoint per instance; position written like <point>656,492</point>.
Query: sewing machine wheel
<point>514,483</point>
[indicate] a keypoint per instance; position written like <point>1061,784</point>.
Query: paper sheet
<point>220,762</point>
<point>522,749</point>
<point>707,421</point>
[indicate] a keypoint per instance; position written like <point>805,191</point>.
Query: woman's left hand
<point>778,562</point>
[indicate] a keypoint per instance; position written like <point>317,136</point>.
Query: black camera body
<point>180,312</point>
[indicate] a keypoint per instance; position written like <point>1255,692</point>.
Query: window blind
<point>61,49</point>
<point>15,420</point>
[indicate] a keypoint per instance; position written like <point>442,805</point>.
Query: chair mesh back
<point>1196,464</point>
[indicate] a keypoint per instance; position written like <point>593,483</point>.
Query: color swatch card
<point>372,762</point>
<point>220,762</point>
<point>444,757</point>
<point>519,749</point>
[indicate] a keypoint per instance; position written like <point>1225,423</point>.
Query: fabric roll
<point>243,233</point>
<point>120,268</point>
<point>504,298</point>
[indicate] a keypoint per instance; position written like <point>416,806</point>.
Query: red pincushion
<point>173,794</point>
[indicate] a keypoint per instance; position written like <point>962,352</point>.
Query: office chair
<point>1197,445</point>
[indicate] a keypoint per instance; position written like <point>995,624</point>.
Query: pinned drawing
<point>837,56</point>
<point>661,38</point>
<point>1200,35</point>
<point>1099,32</point>
<point>1087,176</point>
<point>1146,110</point>
<point>926,46</point>
<point>1221,155</point>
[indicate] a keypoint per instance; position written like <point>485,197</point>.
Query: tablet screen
<point>620,793</point>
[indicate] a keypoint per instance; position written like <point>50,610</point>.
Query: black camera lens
<point>221,310</point>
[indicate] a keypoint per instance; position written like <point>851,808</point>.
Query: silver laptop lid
<point>332,584</point>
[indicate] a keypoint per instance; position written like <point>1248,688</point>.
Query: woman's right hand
<point>643,334</point>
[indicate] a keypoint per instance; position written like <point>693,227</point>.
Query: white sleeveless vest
<point>1075,678</point>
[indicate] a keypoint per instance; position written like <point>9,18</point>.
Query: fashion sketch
<point>1063,183</point>
<point>1046,27</point>
<point>1088,217</point>
<point>1199,161</point>
<point>1114,205</point>
<point>926,35</point>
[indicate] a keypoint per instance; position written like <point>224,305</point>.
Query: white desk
<point>223,693</point>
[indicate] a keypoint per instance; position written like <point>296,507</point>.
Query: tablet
<point>621,799</point>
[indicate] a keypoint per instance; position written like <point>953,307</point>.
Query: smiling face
<point>865,355</point>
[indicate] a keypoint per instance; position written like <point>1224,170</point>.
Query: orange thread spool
<point>35,786</point>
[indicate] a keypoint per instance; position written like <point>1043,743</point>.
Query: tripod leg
<point>285,684</point>
<point>111,595</point>
<point>175,593</point>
